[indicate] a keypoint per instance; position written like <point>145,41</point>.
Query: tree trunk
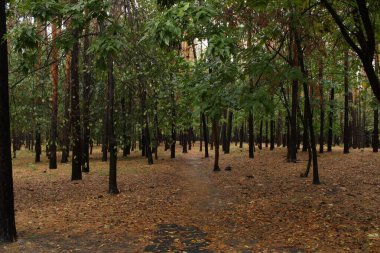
<point>272,134</point>
<point>112,186</point>
<point>331,118</point>
<point>124,126</point>
<point>205,133</point>
<point>241,135</point>
<point>375,138</point>
<point>261,135</point>
<point>184,141</point>
<point>66,120</point>
<point>54,99</point>
<point>322,108</point>
<point>224,130</point>
<point>266,133</point>
<point>37,148</point>
<point>308,110</point>
<point>201,134</point>
<point>346,137</point>
<point>7,213</point>
<point>293,124</point>
<point>87,80</point>
<point>76,173</point>
<point>146,137</point>
<point>229,132</point>
<point>174,133</point>
<point>215,134</point>
<point>279,130</point>
<point>251,143</point>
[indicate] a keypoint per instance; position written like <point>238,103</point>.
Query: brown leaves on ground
<point>260,205</point>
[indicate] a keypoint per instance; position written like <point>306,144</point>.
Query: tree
<point>54,100</point>
<point>75,110</point>
<point>7,213</point>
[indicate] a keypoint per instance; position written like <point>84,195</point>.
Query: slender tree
<point>66,108</point>
<point>54,100</point>
<point>75,111</point>
<point>112,138</point>
<point>331,119</point>
<point>250,133</point>
<point>215,130</point>
<point>86,92</point>
<point>205,133</point>
<point>7,213</point>
<point>346,137</point>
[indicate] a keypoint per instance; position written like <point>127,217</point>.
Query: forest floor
<point>180,205</point>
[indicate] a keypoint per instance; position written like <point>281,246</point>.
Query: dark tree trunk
<point>124,124</point>
<point>174,134</point>
<point>292,157</point>
<point>308,110</point>
<point>229,132</point>
<point>54,114</point>
<point>266,133</point>
<point>322,108</point>
<point>189,137</point>
<point>279,131</point>
<point>375,138</point>
<point>236,136</point>
<point>261,135</point>
<point>157,132</point>
<point>200,133</point>
<point>223,132</point>
<point>215,134</point>
<point>87,80</point>
<point>331,119</point>
<point>7,213</point>
<point>184,141</point>
<point>346,137</point>
<point>250,135</point>
<point>146,137</point>
<point>143,139</point>
<point>129,125</point>
<point>75,111</point>
<point>67,120</point>
<point>241,135</point>
<point>272,134</point>
<point>112,186</point>
<point>205,133</point>
<point>38,147</point>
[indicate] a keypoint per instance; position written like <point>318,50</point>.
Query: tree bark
<point>7,213</point>
<point>250,135</point>
<point>174,131</point>
<point>76,173</point>
<point>375,138</point>
<point>54,99</point>
<point>229,132</point>
<point>112,186</point>
<point>308,110</point>
<point>66,106</point>
<point>272,134</point>
<point>346,137</point>
<point>205,133</point>
<point>87,80</point>
<point>331,119</point>
<point>215,134</point>
<point>322,109</point>
<point>261,135</point>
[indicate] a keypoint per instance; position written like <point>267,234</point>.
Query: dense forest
<point>232,100</point>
